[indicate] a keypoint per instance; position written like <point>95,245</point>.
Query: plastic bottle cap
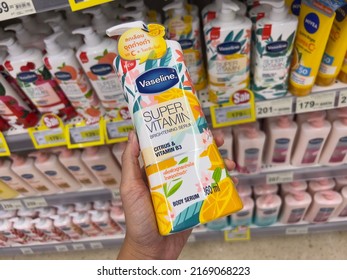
<point>22,34</point>
<point>295,183</point>
<point>177,8</point>
<point>283,121</point>
<point>121,28</point>
<point>91,150</point>
<point>298,195</point>
<point>228,11</point>
<point>90,37</point>
<point>17,159</point>
<point>251,131</point>
<point>323,182</point>
<point>99,19</point>
<point>52,46</point>
<point>40,156</point>
<point>65,152</point>
<point>279,10</point>
<point>13,47</point>
<point>316,119</point>
<point>329,195</point>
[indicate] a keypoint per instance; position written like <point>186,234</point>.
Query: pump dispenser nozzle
<point>228,11</point>
<point>121,28</point>
<point>59,20</point>
<point>99,21</point>
<point>134,15</point>
<point>66,39</point>
<point>13,47</point>
<point>24,37</point>
<point>52,46</point>
<point>90,37</point>
<point>279,10</point>
<point>176,7</point>
<point>138,4</point>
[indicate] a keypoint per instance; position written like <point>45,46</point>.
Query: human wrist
<point>132,251</point>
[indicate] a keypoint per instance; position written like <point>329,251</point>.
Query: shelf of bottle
<point>84,195</point>
<point>321,98</point>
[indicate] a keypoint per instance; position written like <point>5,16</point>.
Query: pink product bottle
<point>325,184</point>
<point>279,141</point>
<point>323,206</point>
<point>295,206</point>
<point>227,147</point>
<point>249,152</point>
<point>46,226</point>
<point>341,211</point>
<point>65,209</point>
<point>105,223</point>
<point>29,213</point>
<point>118,150</point>
<point>26,226</point>
<point>244,190</point>
<point>310,141</point>
<point>81,207</point>
<point>245,216</point>
<point>265,189</point>
<point>341,182</point>
<point>47,212</point>
<point>267,209</point>
<point>101,205</point>
<point>84,221</point>
<point>295,186</point>
<point>11,234</point>
<point>117,215</point>
<point>334,114</point>
<point>65,224</point>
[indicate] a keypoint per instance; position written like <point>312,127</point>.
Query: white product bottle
<point>65,209</point>
<point>46,226</point>
<point>96,57</point>
<point>324,184</point>
<point>279,141</point>
<point>30,213</point>
<point>245,216</point>
<point>58,18</point>
<point>267,209</point>
<point>25,38</point>
<point>117,214</point>
<point>102,220</point>
<point>76,19</point>
<point>72,161</point>
<point>295,206</point>
<point>67,40</point>
<point>64,67</point>
<point>250,143</point>
<point>10,233</point>
<point>10,178</point>
<point>65,224</point>
<point>341,182</point>
<point>228,45</point>
<point>7,214</point>
<point>310,141</point>
<point>335,148</point>
<point>266,189</point>
<point>34,26</point>
<point>323,207</point>
<point>101,205</point>
<point>47,212</point>
<point>100,21</point>
<point>100,161</point>
<point>258,12</point>
<point>84,221</point>
<point>26,226</point>
<point>295,186</point>
<point>192,10</point>
<point>219,224</point>
<point>50,166</point>
<point>341,212</point>
<point>335,114</point>
<point>81,207</point>
<point>244,190</point>
<point>26,169</point>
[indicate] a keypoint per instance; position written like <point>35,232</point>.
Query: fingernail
<point>130,136</point>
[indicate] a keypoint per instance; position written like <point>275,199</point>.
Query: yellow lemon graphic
<point>162,208</point>
<point>214,156</point>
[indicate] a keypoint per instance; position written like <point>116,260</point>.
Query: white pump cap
<point>59,20</point>
<point>176,7</point>
<point>52,46</point>
<point>99,21</point>
<point>135,15</point>
<point>23,36</point>
<point>138,4</point>
<point>13,47</point>
<point>279,10</point>
<point>90,37</point>
<point>121,28</point>
<point>34,26</point>
<point>228,11</point>
<point>66,39</point>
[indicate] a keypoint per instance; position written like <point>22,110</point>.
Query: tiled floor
<point>318,246</point>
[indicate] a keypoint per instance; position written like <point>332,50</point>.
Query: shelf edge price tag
<point>280,177</point>
<point>4,149</point>
<point>27,251</point>
<point>80,5</point>
<point>61,248</point>
<point>240,109</point>
<point>315,102</point>
<point>240,233</point>
<point>277,107</point>
<point>78,247</point>
<point>297,230</point>
<point>96,245</point>
<point>16,8</point>
<point>13,204</point>
<point>35,202</point>
<point>342,99</point>
<point>49,133</point>
<point>82,135</point>
<point>117,130</point>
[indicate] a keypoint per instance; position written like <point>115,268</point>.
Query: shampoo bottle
<point>295,206</point>
<point>341,211</point>
<point>325,184</point>
<point>267,210</point>
<point>184,168</point>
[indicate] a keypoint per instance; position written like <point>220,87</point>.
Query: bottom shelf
<point>199,234</point>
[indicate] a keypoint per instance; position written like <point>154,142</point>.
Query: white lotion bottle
<point>341,182</point>
<point>323,206</point>
<point>341,212</point>
<point>295,206</point>
<point>295,186</point>
<point>324,184</point>
<point>103,220</point>
<point>250,143</point>
<point>310,141</point>
<point>267,209</point>
<point>100,22</point>
<point>245,216</point>
<point>279,141</point>
<point>244,190</point>
<point>266,189</point>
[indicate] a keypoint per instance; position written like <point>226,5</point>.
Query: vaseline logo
<point>316,141</point>
<point>28,176</point>
<point>311,23</point>
<point>63,76</point>
<point>74,168</point>
<point>229,48</point>
<point>6,178</point>
<point>99,167</point>
<point>277,47</point>
<point>186,44</point>
<point>27,77</point>
<point>101,69</point>
<point>157,80</point>
<point>51,173</point>
<point>282,141</point>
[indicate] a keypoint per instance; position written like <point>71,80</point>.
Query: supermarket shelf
<point>44,5</point>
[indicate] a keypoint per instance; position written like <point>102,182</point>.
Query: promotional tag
<point>80,5</point>
<point>240,233</point>
<point>116,130</point>
<point>10,9</point>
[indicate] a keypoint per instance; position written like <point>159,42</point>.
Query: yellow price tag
<point>4,149</point>
<point>117,130</point>
<point>240,233</point>
<point>80,5</point>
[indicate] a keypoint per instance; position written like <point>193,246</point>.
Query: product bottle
<point>295,186</point>
<point>185,29</point>
<point>343,72</point>
<point>279,141</point>
<point>10,233</point>
<point>10,178</point>
<point>68,73</point>
<point>83,220</point>
<point>267,209</point>
<point>245,216</point>
<point>266,189</point>
<point>65,209</point>
<point>100,161</point>
<point>58,19</point>
<point>310,141</point>
<point>192,10</point>
<point>250,143</point>
<point>274,40</point>
<point>96,57</point>
<point>30,213</point>
<point>227,147</point>
<point>294,208</point>
<point>66,225</point>
<point>219,224</point>
<point>50,166</point>
<point>244,190</point>
<point>335,114</point>
<point>335,50</point>
<point>72,161</point>
<point>34,26</point>
<point>335,149</point>
<point>293,6</point>
<point>7,214</point>
<point>117,215</point>
<point>139,5</point>
<point>102,220</point>
<point>47,212</point>
<point>341,182</point>
<point>81,207</point>
<point>228,39</point>
<point>101,205</point>
<point>318,185</point>
<point>179,153</point>
<point>46,226</point>
<point>67,40</point>
<point>341,211</point>
<point>26,226</point>
<point>258,12</point>
<point>26,65</point>
<point>99,22</point>
<point>323,207</point>
<point>6,192</point>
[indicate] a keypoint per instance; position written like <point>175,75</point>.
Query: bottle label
<point>80,174</point>
<point>312,150</point>
<point>343,213</point>
<point>323,214</point>
<point>266,217</point>
<point>296,215</point>
<point>251,161</point>
<point>104,175</point>
<point>242,218</point>
<point>340,151</point>
<point>34,182</point>
<point>57,180</point>
<point>280,152</point>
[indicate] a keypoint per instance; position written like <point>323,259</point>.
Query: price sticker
<point>96,245</point>
<point>11,205</point>
<point>117,131</point>
<point>16,8</point>
<point>4,149</point>
<point>342,98</point>
<point>49,132</point>
<point>240,233</point>
<point>275,107</point>
<point>35,202</point>
<point>78,247</point>
<point>280,177</point>
<point>315,102</point>
<point>80,5</point>
<point>240,110</point>
<point>27,251</point>
<point>297,230</point>
<point>61,248</point>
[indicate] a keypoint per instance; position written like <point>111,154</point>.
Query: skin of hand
<point>142,239</point>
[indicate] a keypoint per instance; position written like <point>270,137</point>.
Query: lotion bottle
<point>65,224</point>
<point>266,189</point>
<point>267,209</point>
<point>104,222</point>
<point>295,186</point>
<point>226,150</point>
<point>295,206</point>
<point>341,182</point>
<point>99,22</point>
<point>325,184</point>
<point>245,216</point>
<point>341,211</point>
<point>244,190</point>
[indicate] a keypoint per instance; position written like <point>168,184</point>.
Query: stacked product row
<point>316,201</point>
<point>58,170</point>
<point>61,223</point>
<point>312,138</point>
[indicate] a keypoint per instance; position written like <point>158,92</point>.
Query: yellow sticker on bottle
<point>4,149</point>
